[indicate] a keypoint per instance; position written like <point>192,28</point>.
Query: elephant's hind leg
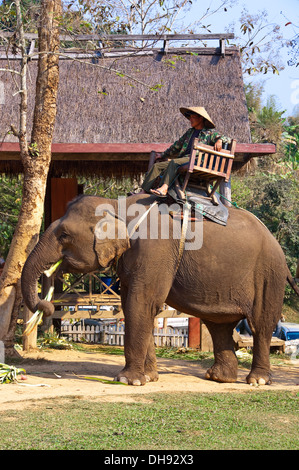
<point>225,367</point>
<point>260,369</point>
<point>265,316</point>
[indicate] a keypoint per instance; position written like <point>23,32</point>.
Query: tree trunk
<point>36,159</point>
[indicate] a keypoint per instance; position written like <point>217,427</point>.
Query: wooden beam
<point>125,154</point>
<point>130,37</point>
<point>138,151</point>
<point>244,152</point>
<point>154,37</point>
<point>257,149</point>
<point>110,53</point>
<point>67,314</point>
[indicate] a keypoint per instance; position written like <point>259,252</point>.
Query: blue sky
<point>285,86</point>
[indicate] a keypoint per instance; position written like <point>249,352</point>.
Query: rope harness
<point>142,218</point>
<point>186,212</point>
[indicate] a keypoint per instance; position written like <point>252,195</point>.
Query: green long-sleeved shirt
<point>206,136</point>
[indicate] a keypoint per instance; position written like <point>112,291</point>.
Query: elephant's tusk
<point>53,268</point>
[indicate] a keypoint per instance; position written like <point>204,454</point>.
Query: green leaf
<point>9,374</point>
<point>112,382</point>
<point>53,268</point>
<point>37,317</point>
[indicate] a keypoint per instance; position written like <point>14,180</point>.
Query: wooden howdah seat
<point>208,167</point>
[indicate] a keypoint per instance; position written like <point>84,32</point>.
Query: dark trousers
<point>167,169</point>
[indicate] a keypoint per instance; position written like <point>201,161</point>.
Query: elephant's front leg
<point>140,355</point>
<point>150,366</point>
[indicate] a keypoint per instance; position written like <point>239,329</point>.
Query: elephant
<point>239,271</point>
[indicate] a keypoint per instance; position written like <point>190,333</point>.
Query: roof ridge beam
<point>132,37</point>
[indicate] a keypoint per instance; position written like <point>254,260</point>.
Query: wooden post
<point>225,190</point>
<point>206,343</point>
<point>63,190</point>
<point>151,160</point>
<point>222,46</point>
<point>225,186</point>
<point>194,333</point>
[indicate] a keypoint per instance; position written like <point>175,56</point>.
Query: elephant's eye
<point>63,237</point>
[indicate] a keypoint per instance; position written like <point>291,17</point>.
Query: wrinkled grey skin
<point>240,271</point>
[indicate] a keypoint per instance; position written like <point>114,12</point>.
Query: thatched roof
<point>96,105</point>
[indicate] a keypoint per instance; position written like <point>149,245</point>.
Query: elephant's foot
<point>151,375</point>
<point>219,373</point>
<point>131,377</point>
<point>259,377</point>
<point>225,368</point>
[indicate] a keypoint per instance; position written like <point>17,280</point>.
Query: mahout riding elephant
<point>239,271</point>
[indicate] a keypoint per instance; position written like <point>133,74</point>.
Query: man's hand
<point>218,145</point>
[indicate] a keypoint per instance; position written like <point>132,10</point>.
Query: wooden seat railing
<point>208,165</point>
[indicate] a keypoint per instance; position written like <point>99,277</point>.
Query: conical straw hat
<point>202,112</point>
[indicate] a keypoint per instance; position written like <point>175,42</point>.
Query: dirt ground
<point>60,373</point>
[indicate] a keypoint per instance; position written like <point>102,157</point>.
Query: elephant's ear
<point>111,239</point>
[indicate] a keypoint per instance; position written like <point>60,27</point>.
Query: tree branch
<point>11,71</point>
<point>23,88</point>
<point>109,69</point>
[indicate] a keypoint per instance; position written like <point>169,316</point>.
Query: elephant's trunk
<point>44,255</point>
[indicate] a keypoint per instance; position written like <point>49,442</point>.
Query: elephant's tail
<point>292,282</point>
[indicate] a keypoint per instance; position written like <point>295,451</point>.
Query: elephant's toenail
<point>124,380</point>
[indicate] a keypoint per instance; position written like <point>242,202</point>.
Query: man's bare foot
<point>162,191</point>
